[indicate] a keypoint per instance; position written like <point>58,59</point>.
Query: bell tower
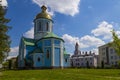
<point>77,51</point>
<point>42,23</point>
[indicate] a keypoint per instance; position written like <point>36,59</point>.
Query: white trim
<point>52,58</point>
<point>61,54</point>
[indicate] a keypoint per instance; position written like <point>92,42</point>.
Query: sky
<point>88,22</point>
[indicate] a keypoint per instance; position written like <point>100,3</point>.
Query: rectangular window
<point>47,43</point>
<point>39,27</point>
<point>111,51</point>
<point>47,26</point>
<point>57,42</point>
<point>111,57</point>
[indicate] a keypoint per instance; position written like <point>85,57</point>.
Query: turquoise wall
<point>40,43</point>
<point>66,60</point>
<point>29,49</point>
<point>46,59</point>
<point>38,62</point>
<point>57,57</point>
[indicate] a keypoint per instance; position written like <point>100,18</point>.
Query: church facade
<point>46,50</point>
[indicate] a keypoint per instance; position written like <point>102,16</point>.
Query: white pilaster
<point>61,54</point>
<point>52,52</point>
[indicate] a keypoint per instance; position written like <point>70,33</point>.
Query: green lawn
<point>62,74</point>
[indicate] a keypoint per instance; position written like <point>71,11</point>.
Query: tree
<point>4,38</point>
<point>116,42</point>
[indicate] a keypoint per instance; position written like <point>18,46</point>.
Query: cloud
<point>103,30</point>
<point>67,7</point>
<point>91,41</point>
<point>29,33</point>
<point>86,41</point>
<point>13,51</point>
<point>4,3</point>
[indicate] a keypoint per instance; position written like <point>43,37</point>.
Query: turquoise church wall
<point>66,60</point>
<point>57,57</point>
<point>47,57</point>
<point>38,60</point>
<point>29,49</point>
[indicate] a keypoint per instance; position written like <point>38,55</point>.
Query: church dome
<point>43,14</point>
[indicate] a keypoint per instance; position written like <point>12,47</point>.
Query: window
<point>40,27</point>
<point>76,59</point>
<point>47,42</point>
<point>91,63</point>
<point>47,26</point>
<point>38,59</point>
<point>57,42</point>
<point>66,60</point>
<point>111,57</point>
<point>81,59</point>
<point>48,54</point>
<point>90,58</point>
<point>112,63</point>
<point>103,53</point>
<point>111,51</point>
<point>82,64</point>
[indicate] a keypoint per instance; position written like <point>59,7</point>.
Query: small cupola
<point>43,13</point>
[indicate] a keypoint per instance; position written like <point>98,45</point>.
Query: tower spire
<point>76,52</point>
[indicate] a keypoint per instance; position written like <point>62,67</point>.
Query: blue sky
<point>87,22</point>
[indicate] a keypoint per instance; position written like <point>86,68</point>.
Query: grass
<point>62,74</point>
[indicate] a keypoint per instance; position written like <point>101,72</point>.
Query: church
<point>46,50</point>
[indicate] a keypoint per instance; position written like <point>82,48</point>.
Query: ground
<point>62,74</point>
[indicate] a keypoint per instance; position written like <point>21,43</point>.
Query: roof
<point>37,50</point>
<point>43,14</point>
<point>51,35</point>
<point>28,41</point>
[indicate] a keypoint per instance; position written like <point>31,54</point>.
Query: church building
<point>46,50</point>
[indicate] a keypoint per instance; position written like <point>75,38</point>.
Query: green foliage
<point>62,74</point>
<point>5,64</point>
<point>4,38</point>
<point>116,42</point>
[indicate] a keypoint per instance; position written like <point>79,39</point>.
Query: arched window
<point>39,27</point>
<point>47,26</point>
<point>38,59</point>
<point>48,54</point>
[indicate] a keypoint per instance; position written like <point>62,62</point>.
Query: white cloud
<point>95,50</point>
<point>13,51</point>
<point>88,42</point>
<point>68,7</point>
<point>30,33</point>
<point>70,42</point>
<point>91,41</point>
<point>103,30</point>
<point>4,3</point>
<point>70,39</point>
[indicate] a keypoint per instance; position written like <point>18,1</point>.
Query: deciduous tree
<point>116,42</point>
